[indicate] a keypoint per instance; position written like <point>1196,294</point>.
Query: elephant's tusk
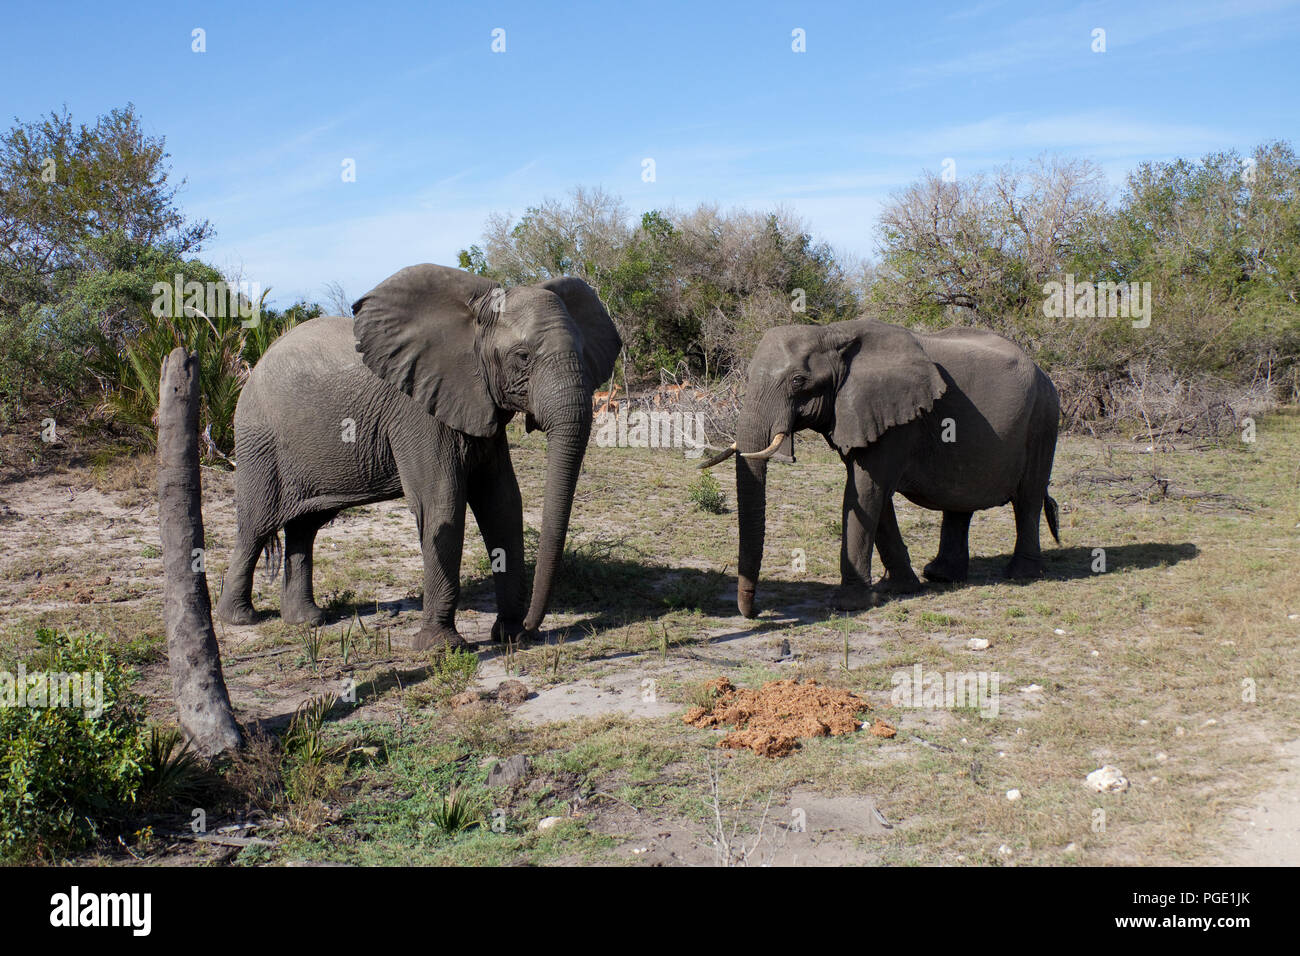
<point>767,452</point>
<point>720,457</point>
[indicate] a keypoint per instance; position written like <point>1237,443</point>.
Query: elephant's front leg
<point>499,510</point>
<point>899,577</point>
<point>442,535</point>
<point>869,486</point>
<point>435,489</point>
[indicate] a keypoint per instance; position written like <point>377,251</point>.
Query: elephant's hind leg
<point>236,603</point>
<point>952,564</point>
<point>297,600</point>
<point>1027,560</point>
<point>255,526</point>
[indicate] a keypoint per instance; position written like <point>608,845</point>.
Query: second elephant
<point>411,397</point>
<point>956,422</point>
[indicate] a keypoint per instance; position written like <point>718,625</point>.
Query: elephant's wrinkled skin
<point>411,397</point>
<point>885,398</point>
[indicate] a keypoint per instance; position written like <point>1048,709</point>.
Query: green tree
<point>87,219</point>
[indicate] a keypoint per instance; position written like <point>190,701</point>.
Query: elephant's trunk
<point>568,426</point>
<point>752,435</point>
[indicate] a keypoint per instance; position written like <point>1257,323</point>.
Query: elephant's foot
<point>745,599</point>
<point>438,639</point>
<point>907,583</point>
<point>302,613</point>
<point>234,611</point>
<point>942,571</point>
<point>855,597</point>
<point>511,632</point>
<point>1021,568</point>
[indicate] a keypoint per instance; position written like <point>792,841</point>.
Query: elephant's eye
<point>798,381</point>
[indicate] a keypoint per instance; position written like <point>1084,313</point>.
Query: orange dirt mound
<point>770,721</point>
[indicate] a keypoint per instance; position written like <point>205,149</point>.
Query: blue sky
<point>443,131</point>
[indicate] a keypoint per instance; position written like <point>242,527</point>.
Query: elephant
<point>956,421</point>
<point>411,397</point>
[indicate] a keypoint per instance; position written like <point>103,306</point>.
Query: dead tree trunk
<point>192,652</point>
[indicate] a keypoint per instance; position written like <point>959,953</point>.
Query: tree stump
<point>192,653</point>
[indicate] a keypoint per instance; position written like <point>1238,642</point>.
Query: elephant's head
<point>474,353</point>
<point>850,381</point>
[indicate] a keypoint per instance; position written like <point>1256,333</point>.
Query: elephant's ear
<point>418,330</point>
<point>888,381</point>
<point>600,339</point>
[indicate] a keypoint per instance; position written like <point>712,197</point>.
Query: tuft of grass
<point>304,738</point>
<point>449,675</point>
<point>312,640</point>
<point>172,771</point>
<point>456,812</point>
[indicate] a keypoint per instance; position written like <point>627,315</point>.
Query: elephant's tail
<point>1053,517</point>
<point>273,553</point>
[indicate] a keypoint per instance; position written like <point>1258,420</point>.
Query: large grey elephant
<point>411,397</point>
<point>957,421</point>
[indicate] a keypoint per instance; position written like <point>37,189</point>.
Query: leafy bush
<point>453,672</point>
<point>64,774</point>
<point>693,289</point>
<point>1214,245</point>
<point>93,225</point>
<point>706,494</point>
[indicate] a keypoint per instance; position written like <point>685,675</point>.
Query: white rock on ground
<point>978,643</point>
<point>545,823</point>
<point>1107,779</point>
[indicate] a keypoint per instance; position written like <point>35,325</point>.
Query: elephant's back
<point>996,374</point>
<point>978,349</point>
<point>310,378</point>
<point>313,416</point>
<point>322,346</point>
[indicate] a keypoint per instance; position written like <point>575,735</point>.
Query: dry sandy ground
<point>1269,830</point>
<point>51,525</point>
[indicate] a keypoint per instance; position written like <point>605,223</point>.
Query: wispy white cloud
<point>1054,41</point>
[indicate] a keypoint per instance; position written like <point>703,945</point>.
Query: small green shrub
<point>452,673</point>
<point>65,774</point>
<point>706,494</point>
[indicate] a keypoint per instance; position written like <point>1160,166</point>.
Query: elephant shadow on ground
<point>1070,564</point>
<point>604,593</point>
<point>601,592</point>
